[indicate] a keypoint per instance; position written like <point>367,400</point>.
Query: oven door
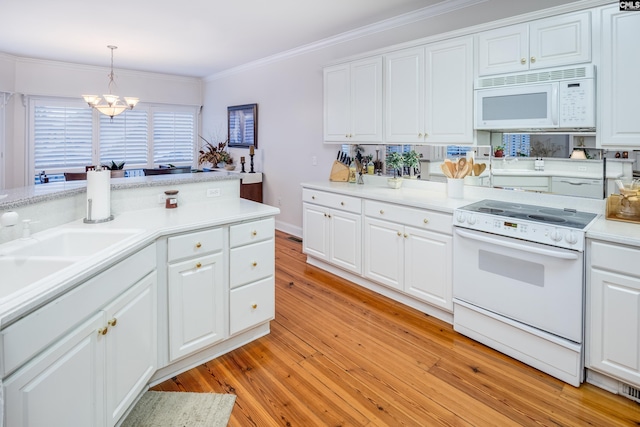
<point>517,107</point>
<point>538,285</point>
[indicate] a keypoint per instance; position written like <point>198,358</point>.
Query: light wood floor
<point>339,355</point>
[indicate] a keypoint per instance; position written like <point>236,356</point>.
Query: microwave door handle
<point>554,104</point>
<point>511,245</point>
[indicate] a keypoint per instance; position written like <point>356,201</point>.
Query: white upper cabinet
<point>549,42</point>
<point>449,91</point>
<point>353,101</point>
<point>429,93</point>
<point>619,87</point>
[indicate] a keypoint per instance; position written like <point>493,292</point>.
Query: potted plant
<point>498,151</point>
<point>117,169</point>
<point>214,154</point>
<point>412,161</point>
<point>395,162</point>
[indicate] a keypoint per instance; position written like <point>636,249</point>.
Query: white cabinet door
<point>618,83</point>
<point>315,238</point>
<point>131,346</point>
<point>366,100</point>
<point>384,256</point>
<point>614,325</point>
<point>353,101</point>
<point>196,306</point>
<point>404,96</point>
<point>550,42</point>
<point>561,40</point>
<point>428,267</point>
<point>346,240</point>
<point>334,236</point>
<point>63,386</point>
<point>337,103</point>
<point>449,92</point>
<point>503,50</point>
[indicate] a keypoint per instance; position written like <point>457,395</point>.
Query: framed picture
<point>243,125</point>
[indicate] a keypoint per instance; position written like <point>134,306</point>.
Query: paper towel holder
<point>89,220</point>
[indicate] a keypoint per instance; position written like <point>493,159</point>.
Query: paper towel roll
<point>99,192</point>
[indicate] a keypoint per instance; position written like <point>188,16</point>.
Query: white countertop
<point>151,223</point>
<point>432,195</point>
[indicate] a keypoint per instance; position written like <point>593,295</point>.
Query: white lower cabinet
<point>413,259</point>
<point>196,303</point>
<point>91,375</point>
<point>613,311</point>
<point>252,270</point>
<point>332,229</point>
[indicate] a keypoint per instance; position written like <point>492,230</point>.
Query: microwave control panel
<point>577,106</point>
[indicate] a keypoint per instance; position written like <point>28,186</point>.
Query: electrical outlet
<point>161,199</point>
<point>213,192</point>
<point>314,161</point>
<point>582,168</point>
<point>279,201</point>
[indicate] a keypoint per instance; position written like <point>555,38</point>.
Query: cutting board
<point>339,172</point>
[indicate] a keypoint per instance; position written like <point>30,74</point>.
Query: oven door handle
<point>535,250</point>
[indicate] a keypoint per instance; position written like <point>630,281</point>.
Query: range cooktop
<point>550,216</point>
<point>563,228</point>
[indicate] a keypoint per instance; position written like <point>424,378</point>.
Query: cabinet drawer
<point>617,258</point>
<point>251,232</point>
<point>252,262</point>
<point>332,200</point>
<point>251,305</point>
<point>414,217</point>
<point>194,244</point>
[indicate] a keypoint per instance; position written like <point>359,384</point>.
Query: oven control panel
<point>532,231</point>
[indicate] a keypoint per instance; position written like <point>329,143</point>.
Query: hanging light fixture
<point>112,105</point>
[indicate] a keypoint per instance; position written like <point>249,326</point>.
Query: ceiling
<point>195,38</point>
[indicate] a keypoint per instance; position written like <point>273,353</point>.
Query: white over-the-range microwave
<point>552,99</point>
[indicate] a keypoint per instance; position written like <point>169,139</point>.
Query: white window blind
<point>124,139</point>
<point>62,136</point>
<point>174,137</point>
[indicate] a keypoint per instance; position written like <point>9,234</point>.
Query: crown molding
<point>409,18</point>
<point>387,24</point>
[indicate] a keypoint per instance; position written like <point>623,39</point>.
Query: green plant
<point>114,166</point>
<point>411,159</point>
<point>395,161</point>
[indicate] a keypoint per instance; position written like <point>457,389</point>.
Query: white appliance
<point>518,283</point>
<point>554,99</point>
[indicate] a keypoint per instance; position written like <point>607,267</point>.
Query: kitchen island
<point>143,297</point>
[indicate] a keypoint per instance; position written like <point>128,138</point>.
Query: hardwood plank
<point>339,354</point>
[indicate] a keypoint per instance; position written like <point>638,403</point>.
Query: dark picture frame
<point>242,125</point>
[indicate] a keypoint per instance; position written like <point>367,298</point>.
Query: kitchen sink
<point>19,272</point>
<point>67,242</point>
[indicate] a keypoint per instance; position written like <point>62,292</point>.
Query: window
<point>62,135</point>
<point>516,145</point>
<point>124,139</point>
<point>66,135</point>
<point>173,137</point>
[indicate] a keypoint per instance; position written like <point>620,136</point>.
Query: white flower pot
<point>394,182</point>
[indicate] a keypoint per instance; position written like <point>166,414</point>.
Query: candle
<point>242,159</point>
<point>251,149</point>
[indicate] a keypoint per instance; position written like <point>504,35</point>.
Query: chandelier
<point>112,105</point>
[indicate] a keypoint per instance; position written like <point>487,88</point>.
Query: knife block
<point>339,172</point>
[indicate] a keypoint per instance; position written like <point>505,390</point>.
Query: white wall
<point>289,97</point>
<point>37,77</point>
